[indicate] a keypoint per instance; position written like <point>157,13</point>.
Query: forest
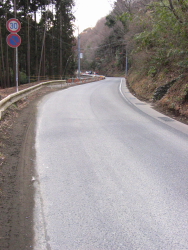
<point>46,50</point>
<point>146,41</point>
<point>156,28</point>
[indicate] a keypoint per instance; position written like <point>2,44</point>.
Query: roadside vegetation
<point>154,37</point>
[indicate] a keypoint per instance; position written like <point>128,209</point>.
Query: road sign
<point>13,40</point>
<point>13,25</point>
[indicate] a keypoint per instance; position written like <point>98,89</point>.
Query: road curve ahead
<point>108,175</point>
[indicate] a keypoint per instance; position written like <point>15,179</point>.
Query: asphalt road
<point>109,175</point>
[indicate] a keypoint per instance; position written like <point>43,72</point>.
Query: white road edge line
<point>155,114</point>
<point>121,92</point>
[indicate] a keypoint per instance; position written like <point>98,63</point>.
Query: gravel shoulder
<point>17,159</point>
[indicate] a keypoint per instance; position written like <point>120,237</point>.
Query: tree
<point>43,40</point>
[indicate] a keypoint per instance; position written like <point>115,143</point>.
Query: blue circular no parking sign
<point>13,40</point>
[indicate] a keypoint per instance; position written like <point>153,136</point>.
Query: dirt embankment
<point>168,93</point>
<point>17,155</point>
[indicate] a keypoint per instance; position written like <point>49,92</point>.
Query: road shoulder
<point>150,110</point>
<point>17,159</point>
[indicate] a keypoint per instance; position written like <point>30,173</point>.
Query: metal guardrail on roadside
<point>10,99</point>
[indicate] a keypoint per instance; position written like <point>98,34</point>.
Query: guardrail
<point>10,99</point>
<point>91,78</point>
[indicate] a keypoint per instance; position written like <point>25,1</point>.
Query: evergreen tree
<point>46,33</point>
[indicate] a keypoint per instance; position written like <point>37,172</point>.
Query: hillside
<point>150,40</point>
<point>169,93</point>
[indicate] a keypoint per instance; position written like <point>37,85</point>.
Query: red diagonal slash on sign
<point>13,40</point>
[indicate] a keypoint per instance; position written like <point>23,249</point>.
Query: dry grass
<point>174,102</point>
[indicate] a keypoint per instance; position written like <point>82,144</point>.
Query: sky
<point>88,12</point>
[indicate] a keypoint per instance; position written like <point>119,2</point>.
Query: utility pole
<point>126,62</point>
<point>78,54</point>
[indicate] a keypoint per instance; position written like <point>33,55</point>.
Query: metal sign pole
<point>17,69</point>
<point>15,12</point>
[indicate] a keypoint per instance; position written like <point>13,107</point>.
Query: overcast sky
<point>88,12</point>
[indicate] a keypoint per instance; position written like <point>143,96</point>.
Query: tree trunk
<point>28,45</point>
<point>60,47</point>
<point>36,52</point>
<point>52,54</point>
<point>7,65</point>
<point>3,79</point>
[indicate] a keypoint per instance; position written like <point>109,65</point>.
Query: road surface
<point>109,175</point>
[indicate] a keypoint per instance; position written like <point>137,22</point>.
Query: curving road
<point>111,173</point>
